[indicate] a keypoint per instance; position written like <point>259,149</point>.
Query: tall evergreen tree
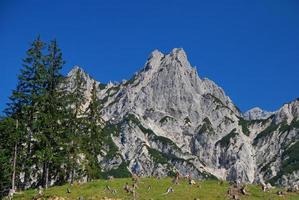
<point>75,100</point>
<point>50,114</point>
<point>9,148</point>
<point>24,99</point>
<point>37,105</point>
<point>46,130</point>
<point>93,133</point>
<point>56,107</point>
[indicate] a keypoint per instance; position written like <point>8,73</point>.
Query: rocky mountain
<point>257,113</point>
<point>167,118</point>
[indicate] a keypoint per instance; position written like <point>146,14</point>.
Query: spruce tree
<point>55,108</point>
<point>37,106</point>
<point>75,99</point>
<point>9,149</point>
<point>23,101</point>
<point>46,128</point>
<point>50,114</point>
<point>93,133</point>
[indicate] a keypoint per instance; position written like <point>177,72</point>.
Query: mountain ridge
<point>192,116</point>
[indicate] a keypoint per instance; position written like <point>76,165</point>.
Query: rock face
<point>257,113</point>
<point>169,119</point>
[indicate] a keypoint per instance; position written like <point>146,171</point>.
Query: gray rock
<point>194,125</point>
<point>171,120</point>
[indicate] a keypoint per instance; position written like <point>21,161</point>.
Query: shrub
<point>244,124</point>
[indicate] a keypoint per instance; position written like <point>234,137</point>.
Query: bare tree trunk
<point>14,162</point>
<point>28,157</point>
<point>27,166</point>
<point>46,176</point>
<point>14,168</point>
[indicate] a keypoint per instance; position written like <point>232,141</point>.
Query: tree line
<point>46,136</point>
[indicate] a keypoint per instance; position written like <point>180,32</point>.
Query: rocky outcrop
<point>169,119</point>
<point>257,113</point>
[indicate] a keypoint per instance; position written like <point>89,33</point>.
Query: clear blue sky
<point>249,48</point>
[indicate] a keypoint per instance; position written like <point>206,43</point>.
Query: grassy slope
<point>205,190</point>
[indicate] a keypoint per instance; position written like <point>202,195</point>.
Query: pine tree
<point>46,128</point>
<point>56,107</point>
<point>50,113</point>
<point>10,126</point>
<point>93,133</point>
<point>37,105</point>
<point>36,109</point>
<point>9,146</point>
<point>24,99</point>
<point>75,99</point>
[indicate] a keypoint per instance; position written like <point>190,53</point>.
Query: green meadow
<point>203,190</point>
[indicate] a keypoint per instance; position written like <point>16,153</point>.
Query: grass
<point>207,190</point>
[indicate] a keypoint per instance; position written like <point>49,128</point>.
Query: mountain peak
<point>72,75</point>
<point>156,54</point>
<point>168,107</point>
<point>178,52</point>
<point>288,112</point>
<point>179,55</point>
<point>75,70</point>
<point>257,113</point>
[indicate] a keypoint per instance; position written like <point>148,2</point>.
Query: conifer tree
<point>9,148</point>
<point>75,100</point>
<point>46,128</point>
<point>55,106</point>
<point>24,99</point>
<point>50,113</point>
<point>93,133</point>
<point>37,106</point>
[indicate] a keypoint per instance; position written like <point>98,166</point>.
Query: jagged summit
<point>175,52</point>
<point>86,77</point>
<point>288,112</point>
<point>167,109</point>
<point>177,57</point>
<point>257,113</point>
<point>156,53</point>
<point>74,71</point>
<point>178,53</point>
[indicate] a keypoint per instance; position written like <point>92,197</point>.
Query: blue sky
<point>249,48</point>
